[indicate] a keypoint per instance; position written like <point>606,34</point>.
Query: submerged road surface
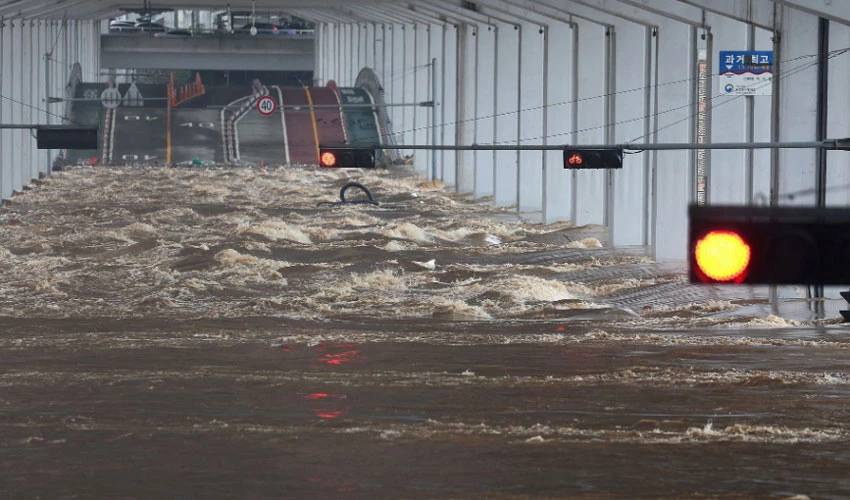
<point>217,334</point>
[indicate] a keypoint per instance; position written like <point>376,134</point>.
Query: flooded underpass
<point>192,333</point>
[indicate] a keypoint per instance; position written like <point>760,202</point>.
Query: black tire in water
<point>358,186</point>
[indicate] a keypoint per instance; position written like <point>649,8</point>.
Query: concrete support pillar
<point>531,118</point>
<point>559,99</point>
<point>485,66</point>
<point>593,72</point>
<point>466,111</point>
<point>634,79</point>
<point>507,106</point>
<point>448,111</point>
<point>673,188</point>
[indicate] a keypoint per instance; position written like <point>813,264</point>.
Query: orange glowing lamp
<point>328,159</point>
<point>723,256</point>
<point>576,160</point>
<point>347,157</point>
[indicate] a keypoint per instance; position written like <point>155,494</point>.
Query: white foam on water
<point>585,243</point>
<point>250,269</point>
<point>276,230</point>
<point>394,246</point>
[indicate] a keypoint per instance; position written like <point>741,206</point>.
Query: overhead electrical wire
<point>589,98</point>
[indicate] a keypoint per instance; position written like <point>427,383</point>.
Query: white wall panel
<point>729,175</point>
<point>466,97</point>
<point>531,123</point>
<point>761,131</point>
<point>628,223</point>
<point>485,65</point>
<point>559,99</point>
<point>838,109</point>
<point>506,105</point>
<point>6,139</point>
<point>589,185</point>
<point>674,187</point>
<point>369,46</point>
<point>421,92</point>
<point>798,106</point>
<point>435,94</point>
<point>448,111</point>
<point>27,96</point>
<point>395,92</point>
<point>408,84</point>
<point>19,136</point>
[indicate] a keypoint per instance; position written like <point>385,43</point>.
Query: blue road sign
<point>746,72</point>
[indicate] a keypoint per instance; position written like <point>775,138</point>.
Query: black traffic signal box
<point>346,157</point>
<point>769,245</point>
<point>593,158</point>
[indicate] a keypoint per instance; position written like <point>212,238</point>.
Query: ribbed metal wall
<point>594,72</point>
<point>24,74</point>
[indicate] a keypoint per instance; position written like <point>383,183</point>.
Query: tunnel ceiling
<point>347,10</point>
<point>103,9</point>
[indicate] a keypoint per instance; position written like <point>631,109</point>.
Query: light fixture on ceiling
<point>253,18</point>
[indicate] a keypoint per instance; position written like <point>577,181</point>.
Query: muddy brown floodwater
<point>231,333</point>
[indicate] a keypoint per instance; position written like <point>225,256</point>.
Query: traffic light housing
<point>769,245</point>
<point>593,158</point>
<point>66,137</point>
<point>346,157</point>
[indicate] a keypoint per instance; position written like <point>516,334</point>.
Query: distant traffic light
<point>764,245</point>
<point>66,137</point>
<point>593,158</point>
<point>347,157</point>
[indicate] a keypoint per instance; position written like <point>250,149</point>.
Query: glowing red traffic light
<point>722,256</point>
<point>328,159</point>
<point>576,160</point>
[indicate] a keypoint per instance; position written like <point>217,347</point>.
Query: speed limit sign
<point>266,106</point>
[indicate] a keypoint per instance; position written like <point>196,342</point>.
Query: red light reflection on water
<point>340,358</point>
<point>337,354</point>
<point>319,395</point>
<point>324,413</point>
<point>329,415</point>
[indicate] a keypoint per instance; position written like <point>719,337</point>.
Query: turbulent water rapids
<point>238,333</point>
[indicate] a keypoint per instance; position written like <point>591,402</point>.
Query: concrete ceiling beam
<point>759,13</point>
<point>838,11</point>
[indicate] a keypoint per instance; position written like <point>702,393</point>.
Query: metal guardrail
<point>186,33</point>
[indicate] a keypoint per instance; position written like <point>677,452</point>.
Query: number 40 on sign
<point>266,106</point>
